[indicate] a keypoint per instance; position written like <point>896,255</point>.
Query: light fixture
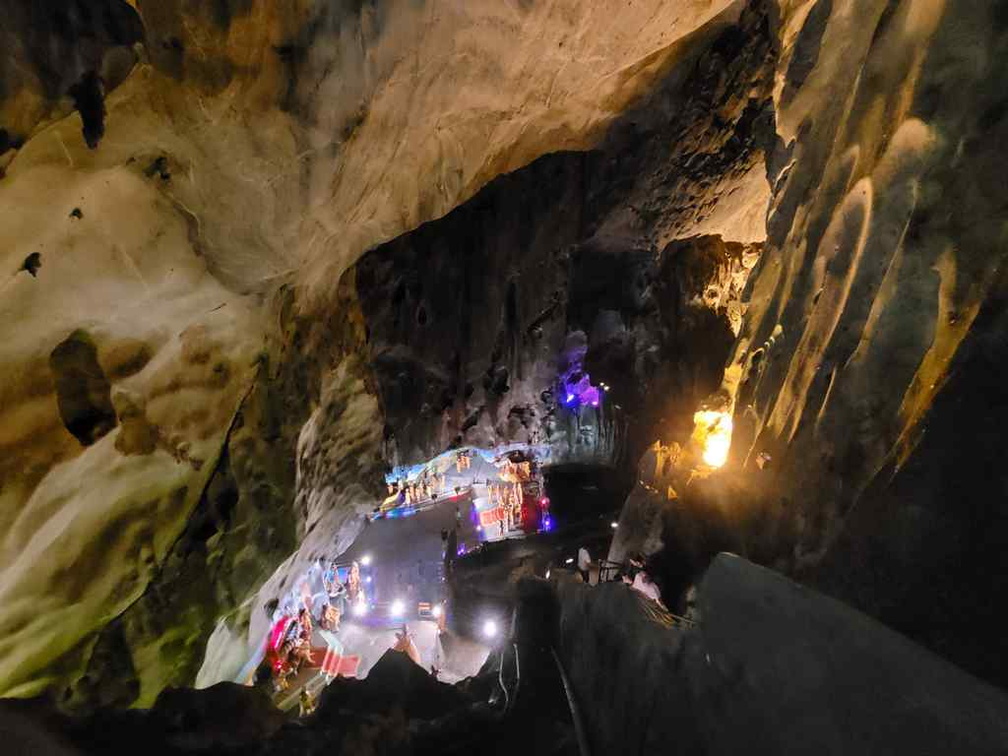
<point>360,609</point>
<point>398,608</point>
<point>437,611</point>
<point>614,525</point>
<point>365,560</point>
<point>713,431</point>
<point>570,560</point>
<point>547,574</point>
<point>570,398</point>
<point>367,579</point>
<point>489,628</point>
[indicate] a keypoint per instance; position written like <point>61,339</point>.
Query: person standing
<point>451,550</point>
<point>642,583</point>
<point>584,564</point>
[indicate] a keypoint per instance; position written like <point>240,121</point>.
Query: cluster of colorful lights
<point>547,524</point>
<point>577,391</point>
<point>575,388</point>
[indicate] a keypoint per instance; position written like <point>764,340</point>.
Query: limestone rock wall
<point>875,315</point>
<point>591,258</point>
<point>865,456</point>
<point>805,672</point>
<point>106,453</point>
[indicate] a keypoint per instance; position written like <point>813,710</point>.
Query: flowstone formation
<point>863,365</point>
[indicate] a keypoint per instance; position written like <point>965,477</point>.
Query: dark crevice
<point>83,392</point>
<point>806,49</point>
<point>89,99</point>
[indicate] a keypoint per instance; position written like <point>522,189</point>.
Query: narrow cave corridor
<point>502,376</point>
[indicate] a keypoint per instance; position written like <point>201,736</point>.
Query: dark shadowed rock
<point>394,682</point>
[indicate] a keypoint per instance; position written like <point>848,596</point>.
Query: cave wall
<point>173,165</point>
<point>874,318</point>
<point>107,445</point>
<point>767,666</point>
<point>592,259</point>
<point>864,458</point>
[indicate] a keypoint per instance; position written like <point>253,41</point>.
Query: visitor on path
<point>306,704</point>
<point>353,586</point>
<point>451,550</point>
<point>404,643</point>
<point>643,584</point>
<point>584,564</point>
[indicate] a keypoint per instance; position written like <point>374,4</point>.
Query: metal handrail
<point>579,732</point>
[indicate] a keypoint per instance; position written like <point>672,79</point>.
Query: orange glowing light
<point>713,430</point>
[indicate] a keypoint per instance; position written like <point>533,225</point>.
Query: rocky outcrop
<point>862,364</point>
<point>398,708</point>
<point>863,458</point>
<point>764,665</point>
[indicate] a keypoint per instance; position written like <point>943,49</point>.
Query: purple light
<point>576,386</point>
<point>461,550</point>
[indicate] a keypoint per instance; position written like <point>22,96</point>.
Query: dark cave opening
<point>83,392</point>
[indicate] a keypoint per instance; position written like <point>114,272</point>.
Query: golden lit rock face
<point>874,312</point>
<point>874,228</point>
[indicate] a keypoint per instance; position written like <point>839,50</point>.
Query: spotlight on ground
<point>365,560</point>
<point>489,629</point>
<point>398,608</point>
